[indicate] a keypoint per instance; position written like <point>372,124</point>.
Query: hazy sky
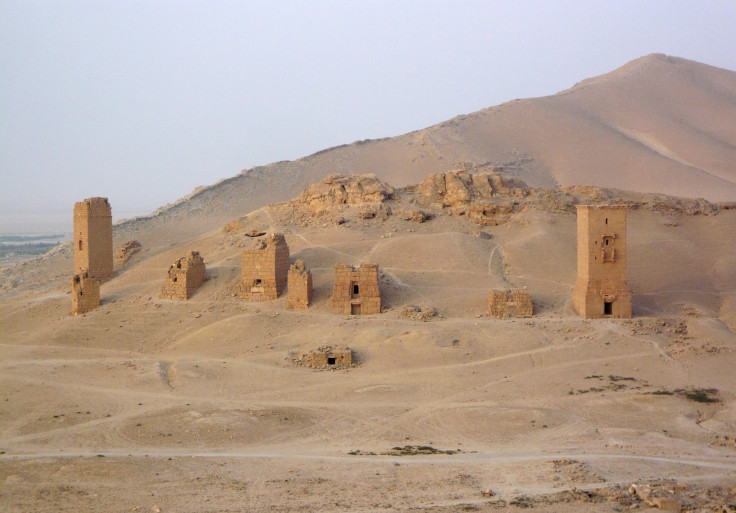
<point>141,101</point>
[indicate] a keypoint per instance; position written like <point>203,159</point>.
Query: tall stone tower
<point>601,289</point>
<point>93,238</point>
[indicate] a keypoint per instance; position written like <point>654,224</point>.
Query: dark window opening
<point>356,290</point>
<point>607,241</point>
<point>175,279</point>
<point>258,283</point>
<point>80,245</point>
<point>607,308</point>
<point>331,360</point>
<point>606,220</point>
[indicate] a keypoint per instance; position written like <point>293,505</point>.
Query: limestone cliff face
<point>338,189</point>
<point>460,187</point>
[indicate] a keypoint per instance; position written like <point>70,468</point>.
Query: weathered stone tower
<point>265,269</point>
<point>93,238</point>
<point>356,291</point>
<point>184,277</point>
<point>299,294</point>
<point>601,289</point>
<point>85,293</point>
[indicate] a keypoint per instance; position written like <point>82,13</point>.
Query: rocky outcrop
<point>339,189</point>
<point>127,250</point>
<point>459,188</point>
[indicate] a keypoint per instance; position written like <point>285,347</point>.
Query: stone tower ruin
<point>265,269</point>
<point>356,291</point>
<point>299,294</point>
<point>93,238</point>
<point>506,303</point>
<point>184,277</point>
<point>601,289</point>
<point>85,293</point>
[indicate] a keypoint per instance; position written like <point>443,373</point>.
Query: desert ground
<point>158,405</point>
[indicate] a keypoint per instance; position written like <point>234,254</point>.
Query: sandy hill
<point>657,124</point>
<point>147,404</point>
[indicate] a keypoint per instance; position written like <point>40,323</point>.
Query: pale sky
<point>141,101</point>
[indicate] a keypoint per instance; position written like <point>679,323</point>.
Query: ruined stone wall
<point>327,357</point>
<point>509,303</point>
<point>601,289</point>
<point>300,287</point>
<point>93,238</point>
<point>184,277</point>
<point>265,269</point>
<point>85,293</point>
<point>356,292</point>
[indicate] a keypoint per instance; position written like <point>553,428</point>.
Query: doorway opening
<point>608,308</point>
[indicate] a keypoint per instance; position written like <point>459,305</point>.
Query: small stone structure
<point>601,289</point>
<point>265,269</point>
<point>507,303</point>
<point>85,293</point>
<point>93,238</point>
<point>327,357</point>
<point>356,291</point>
<point>184,277</point>
<point>299,294</point>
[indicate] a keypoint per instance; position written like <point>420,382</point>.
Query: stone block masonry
<point>300,287</point>
<point>508,303</point>
<point>85,293</point>
<point>184,277</point>
<point>356,291</point>
<point>327,357</point>
<point>93,238</point>
<point>265,269</point>
<point>601,289</point>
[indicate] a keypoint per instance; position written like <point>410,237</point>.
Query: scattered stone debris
<point>326,357</point>
<point>412,214</point>
<point>232,226</point>
<point>127,250</point>
<point>418,450</point>
<point>407,450</point>
<point>254,233</point>
<point>417,313</point>
<point>613,383</point>
<point>725,441</point>
<point>575,471</point>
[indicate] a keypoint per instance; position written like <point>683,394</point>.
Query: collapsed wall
<point>85,293</point>
<point>356,291</point>
<point>507,303</point>
<point>299,294</point>
<point>327,357</point>
<point>265,269</point>
<point>184,277</point>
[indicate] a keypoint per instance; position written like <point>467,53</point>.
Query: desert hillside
<point>149,404</point>
<point>658,124</point>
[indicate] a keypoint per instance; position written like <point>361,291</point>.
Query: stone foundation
<point>184,277</point>
<point>327,357</point>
